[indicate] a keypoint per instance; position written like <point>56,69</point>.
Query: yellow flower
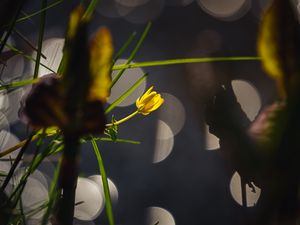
<point>149,102</point>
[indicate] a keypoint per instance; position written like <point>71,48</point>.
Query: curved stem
<point>123,120</point>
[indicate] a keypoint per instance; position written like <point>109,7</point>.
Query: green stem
<point>53,194</point>
<point>26,56</point>
<point>40,40</point>
<point>125,94</point>
<point>136,65</point>
<point>133,53</point>
<point>11,25</point>
<point>16,162</point>
<point>108,204</point>
<point>124,47</point>
<point>90,10</point>
<point>123,120</point>
<point>183,61</point>
<point>27,41</point>
<point>39,11</point>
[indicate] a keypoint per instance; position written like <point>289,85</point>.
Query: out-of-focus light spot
<point>34,195</point>
<point>227,9</point>
<point>172,113</point>
<point>89,201</point>
<point>158,214</point>
<point>164,142</point>
<point>4,130</point>
<point>128,78</point>
<point>212,141</point>
<point>114,194</point>
<point>3,101</point>
<point>37,175</point>
<point>7,140</point>
<point>112,9</point>
<point>46,167</point>
<point>144,13</point>
<point>131,3</point>
<point>252,193</point>
<point>53,50</point>
<point>178,2</point>
<point>12,69</point>
<point>14,97</point>
<point>248,97</point>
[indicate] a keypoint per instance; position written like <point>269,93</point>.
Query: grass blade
<point>26,56</point>
<point>18,84</point>
<point>11,26</point>
<point>133,53</point>
<point>53,194</point>
<point>40,40</point>
<point>108,204</point>
<point>16,162</point>
<point>125,94</point>
<point>124,47</point>
<point>25,39</point>
<point>137,65</point>
<point>119,140</point>
<point>39,11</point>
<point>90,10</point>
<point>183,61</point>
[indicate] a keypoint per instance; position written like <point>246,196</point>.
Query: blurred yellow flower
<point>149,102</point>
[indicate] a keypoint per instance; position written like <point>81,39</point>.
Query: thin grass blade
<point>133,53</point>
<point>183,61</point>
<point>108,204</point>
<point>125,94</point>
<point>40,40</point>
<point>124,47</point>
<point>90,10</point>
<point>39,11</point>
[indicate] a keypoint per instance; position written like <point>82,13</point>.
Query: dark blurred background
<point>176,175</point>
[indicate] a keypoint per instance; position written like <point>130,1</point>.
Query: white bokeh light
<point>89,200</point>
<point>172,112</point>
<point>128,78</point>
<point>225,9</point>
<point>164,142</point>
<point>12,69</point>
<point>158,214</point>
<point>248,97</point>
<point>252,194</point>
<point>34,195</point>
<point>53,50</point>
<point>212,141</point>
<point>4,102</point>
<point>4,131</point>
<point>8,140</point>
<point>114,194</point>
<point>14,97</point>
